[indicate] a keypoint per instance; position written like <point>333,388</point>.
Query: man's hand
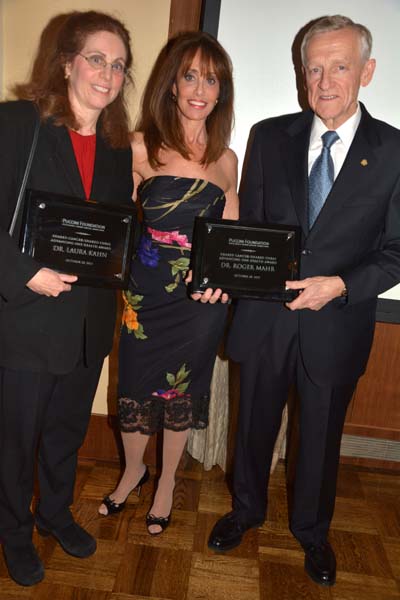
<point>211,296</point>
<point>315,292</point>
<point>50,283</point>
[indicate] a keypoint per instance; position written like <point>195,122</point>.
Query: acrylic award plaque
<point>245,260</point>
<point>85,238</point>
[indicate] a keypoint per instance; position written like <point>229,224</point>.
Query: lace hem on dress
<point>156,413</point>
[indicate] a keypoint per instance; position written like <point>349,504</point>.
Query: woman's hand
<point>211,296</point>
<point>47,282</point>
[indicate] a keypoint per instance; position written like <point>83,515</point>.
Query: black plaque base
<point>87,239</point>
<point>245,260</point>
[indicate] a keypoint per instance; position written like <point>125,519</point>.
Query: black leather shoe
<point>72,538</point>
<point>227,533</point>
<point>23,564</point>
<point>320,564</point>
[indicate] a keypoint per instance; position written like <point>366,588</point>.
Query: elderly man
<point>335,172</point>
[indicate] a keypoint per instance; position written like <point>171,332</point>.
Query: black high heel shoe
<point>116,507</point>
<point>162,522</point>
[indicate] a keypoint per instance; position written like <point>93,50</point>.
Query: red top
<point>85,151</point>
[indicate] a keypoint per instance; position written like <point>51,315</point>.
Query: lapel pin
<point>364,162</point>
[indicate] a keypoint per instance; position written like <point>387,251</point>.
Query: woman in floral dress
<point>182,168</point>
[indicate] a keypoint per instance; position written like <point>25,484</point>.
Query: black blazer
<point>356,236</point>
<point>39,333</point>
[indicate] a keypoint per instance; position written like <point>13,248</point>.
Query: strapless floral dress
<point>168,341</point>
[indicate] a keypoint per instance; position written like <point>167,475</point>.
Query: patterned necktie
<point>321,177</point>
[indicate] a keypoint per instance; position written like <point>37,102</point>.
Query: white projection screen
<point>259,34</point>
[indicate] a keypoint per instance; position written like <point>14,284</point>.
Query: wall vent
<point>367,447</point>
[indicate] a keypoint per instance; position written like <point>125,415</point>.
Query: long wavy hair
<point>61,40</point>
<point>159,119</point>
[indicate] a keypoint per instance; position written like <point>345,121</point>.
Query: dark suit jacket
<point>39,333</point>
<point>356,236</point>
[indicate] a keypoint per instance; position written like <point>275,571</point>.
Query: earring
<point>216,102</point>
<point>66,75</point>
<point>173,97</point>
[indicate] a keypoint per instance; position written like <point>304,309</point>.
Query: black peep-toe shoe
<point>115,507</point>
<point>163,522</point>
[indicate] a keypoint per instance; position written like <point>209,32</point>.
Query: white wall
<point>258,35</point>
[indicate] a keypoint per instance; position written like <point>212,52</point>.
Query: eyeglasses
<point>97,62</point>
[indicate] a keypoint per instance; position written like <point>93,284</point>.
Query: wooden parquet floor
<point>131,565</point>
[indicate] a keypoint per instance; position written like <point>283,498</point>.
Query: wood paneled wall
<point>184,15</point>
<point>375,408</point>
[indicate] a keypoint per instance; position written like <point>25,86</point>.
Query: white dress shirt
<point>340,148</point>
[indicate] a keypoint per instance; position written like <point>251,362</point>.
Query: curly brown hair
<point>64,36</point>
<point>159,120</point>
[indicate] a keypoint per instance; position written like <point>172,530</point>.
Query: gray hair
<point>334,23</point>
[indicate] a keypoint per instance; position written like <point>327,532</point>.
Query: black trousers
<point>266,377</point>
<point>45,416</point>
